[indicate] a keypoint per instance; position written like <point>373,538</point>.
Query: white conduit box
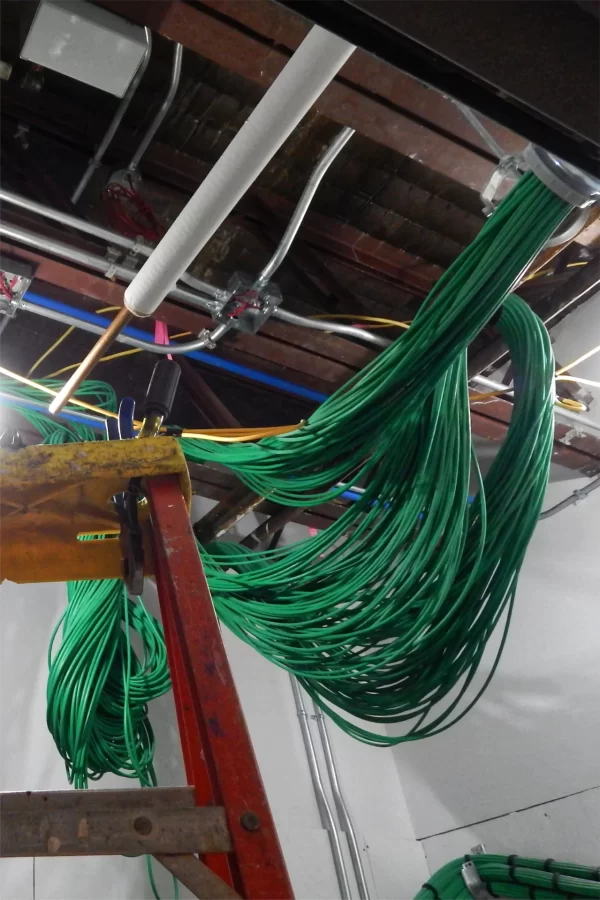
<point>85,42</point>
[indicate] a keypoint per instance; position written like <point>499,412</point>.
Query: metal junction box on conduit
<point>85,42</point>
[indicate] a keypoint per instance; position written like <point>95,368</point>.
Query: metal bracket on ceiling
<point>508,167</point>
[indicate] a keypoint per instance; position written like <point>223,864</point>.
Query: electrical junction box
<point>85,42</point>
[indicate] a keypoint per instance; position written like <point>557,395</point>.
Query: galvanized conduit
<point>340,805</point>
<point>206,339</point>
<point>104,234</point>
<point>574,497</point>
<point>162,110</point>
<point>327,819</point>
<point>116,120</point>
<point>338,143</point>
<point>100,264</point>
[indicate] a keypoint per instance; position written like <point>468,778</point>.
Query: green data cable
<point>98,688</point>
<point>514,876</point>
<point>385,616</point>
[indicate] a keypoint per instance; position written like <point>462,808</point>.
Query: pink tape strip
<point>161,334</point>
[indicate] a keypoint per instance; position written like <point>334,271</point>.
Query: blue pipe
<point>210,359</point>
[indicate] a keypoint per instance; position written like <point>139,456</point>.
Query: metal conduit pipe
<point>104,234</point>
<point>162,111</point>
<point>75,316</point>
<point>582,421</point>
<point>98,263</point>
<point>301,209</point>
<point>206,339</point>
<point>340,805</point>
<point>325,812</point>
<point>476,123</point>
<point>573,498</point>
<point>323,325</point>
<point>116,120</point>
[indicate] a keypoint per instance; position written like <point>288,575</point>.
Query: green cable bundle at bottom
<point>513,876</point>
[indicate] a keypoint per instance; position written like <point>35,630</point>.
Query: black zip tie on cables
<point>488,885</point>
<point>430,887</point>
<point>513,877</point>
<point>547,867</point>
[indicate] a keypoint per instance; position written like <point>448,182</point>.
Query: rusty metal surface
<point>51,494</point>
<point>109,822</point>
<point>197,877</point>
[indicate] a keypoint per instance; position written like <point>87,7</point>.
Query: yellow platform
<point>49,495</point>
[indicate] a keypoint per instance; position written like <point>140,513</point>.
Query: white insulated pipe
<point>312,67</point>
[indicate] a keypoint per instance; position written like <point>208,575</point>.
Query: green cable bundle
<point>385,616</point>
<point>98,689</point>
<point>52,430</point>
<point>514,876</point>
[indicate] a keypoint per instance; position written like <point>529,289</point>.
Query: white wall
<point>499,775</point>
<point>395,861</point>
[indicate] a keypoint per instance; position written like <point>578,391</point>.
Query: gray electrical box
<point>85,42</point>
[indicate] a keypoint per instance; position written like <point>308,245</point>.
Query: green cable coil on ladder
<point>513,876</point>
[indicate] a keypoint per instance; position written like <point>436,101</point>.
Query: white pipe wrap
<point>314,64</point>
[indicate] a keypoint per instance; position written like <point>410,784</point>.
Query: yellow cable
<point>65,334</point>
<point>579,359</point>
<point>112,356</point>
<point>571,405</point>
<point>50,349</point>
<point>572,265</point>
<point>47,390</point>
<point>383,323</point>
<point>476,398</point>
<point>224,435</point>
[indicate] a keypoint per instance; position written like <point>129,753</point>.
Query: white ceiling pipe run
<point>314,64</point>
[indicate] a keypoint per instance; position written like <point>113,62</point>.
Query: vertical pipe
<point>340,805</point>
<point>162,111</point>
<point>116,121</point>
<point>325,812</point>
<point>308,193</point>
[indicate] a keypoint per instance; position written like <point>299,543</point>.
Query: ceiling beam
<point>255,40</point>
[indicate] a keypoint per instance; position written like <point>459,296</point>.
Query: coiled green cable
<point>385,616</point>
<point>514,876</point>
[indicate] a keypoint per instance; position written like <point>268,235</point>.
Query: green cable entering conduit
<point>514,876</point>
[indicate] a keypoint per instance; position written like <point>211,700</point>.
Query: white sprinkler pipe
<point>314,64</point>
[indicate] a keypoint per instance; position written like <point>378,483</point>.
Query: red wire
<point>7,288</point>
<point>129,213</point>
